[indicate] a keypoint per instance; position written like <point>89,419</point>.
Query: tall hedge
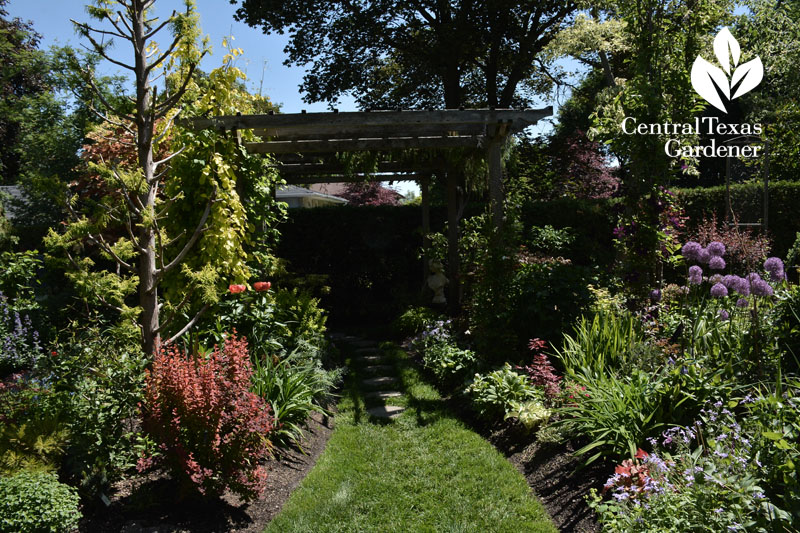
<point>746,199</point>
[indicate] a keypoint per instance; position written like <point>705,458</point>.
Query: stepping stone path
<point>379,377</point>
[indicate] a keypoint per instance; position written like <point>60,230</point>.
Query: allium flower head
<point>695,275</point>
<point>691,251</point>
<point>723,314</point>
<point>774,266</point>
<point>704,256</point>
<point>716,263</point>
<point>719,290</point>
<point>742,302</point>
<point>655,295</point>
<point>761,288</point>
<point>730,281</point>
<point>716,249</point>
<point>716,278</point>
<point>752,277</point>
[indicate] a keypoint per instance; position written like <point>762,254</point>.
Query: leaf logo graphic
<point>710,81</point>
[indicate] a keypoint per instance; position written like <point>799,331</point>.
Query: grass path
<point>421,471</point>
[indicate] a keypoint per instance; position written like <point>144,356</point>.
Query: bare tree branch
<point>86,27</point>
<point>188,325</point>
<point>195,235</point>
<point>157,163</point>
<point>169,319</point>
<point>103,100</point>
<point>170,102</point>
<point>100,49</point>
<point>161,26</point>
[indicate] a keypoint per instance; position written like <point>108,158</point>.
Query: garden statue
<point>437,281</point>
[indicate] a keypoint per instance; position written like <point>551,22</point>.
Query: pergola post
<point>453,262</point>
<point>424,187</point>
<point>495,161</point>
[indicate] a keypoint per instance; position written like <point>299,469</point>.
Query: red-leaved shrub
<point>541,372</point>
<point>210,429</point>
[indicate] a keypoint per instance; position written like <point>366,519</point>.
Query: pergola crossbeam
<point>362,145</point>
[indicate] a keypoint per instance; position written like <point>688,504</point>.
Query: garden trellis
<point>305,147</point>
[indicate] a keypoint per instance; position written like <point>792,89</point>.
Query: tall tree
<point>413,54</point>
<point>142,255</point>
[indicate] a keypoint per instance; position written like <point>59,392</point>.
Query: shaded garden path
<point>398,460</point>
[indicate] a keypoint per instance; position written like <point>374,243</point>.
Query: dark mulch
<point>152,505</point>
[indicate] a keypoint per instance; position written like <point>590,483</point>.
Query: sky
<point>262,60</point>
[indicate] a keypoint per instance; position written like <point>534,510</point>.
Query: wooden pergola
<point>305,147</point>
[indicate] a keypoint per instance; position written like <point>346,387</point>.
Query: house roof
<point>293,191</point>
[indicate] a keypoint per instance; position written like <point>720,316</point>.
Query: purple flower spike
<point>716,263</point>
<point>695,275</point>
<point>716,249</point>
<point>691,251</point>
<point>719,290</point>
<point>723,314</point>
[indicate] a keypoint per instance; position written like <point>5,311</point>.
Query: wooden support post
<point>424,186</point>
<point>496,193</point>
<point>453,266</point>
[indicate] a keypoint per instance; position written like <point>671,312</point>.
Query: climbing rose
<point>236,289</point>
<point>716,249</point>
<point>261,286</point>
<point>695,275</point>
<point>716,263</point>
<point>719,290</point>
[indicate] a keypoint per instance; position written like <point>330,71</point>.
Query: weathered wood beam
<point>519,118</point>
<point>294,169</point>
<point>360,131</point>
<point>279,147</point>
<point>341,178</point>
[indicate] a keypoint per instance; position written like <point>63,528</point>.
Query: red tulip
<point>261,286</point>
<point>236,289</point>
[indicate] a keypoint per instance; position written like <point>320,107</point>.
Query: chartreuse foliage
<point>424,471</point>
<point>36,501</point>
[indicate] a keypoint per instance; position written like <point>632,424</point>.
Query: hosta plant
<point>493,394</point>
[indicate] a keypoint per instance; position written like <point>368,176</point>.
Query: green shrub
<point>302,317</point>
<point>499,392</point>
<point>414,320</point>
<point>530,414</point>
<point>294,387</point>
<point>34,502</point>
<point>449,363</point>
<point>97,384</point>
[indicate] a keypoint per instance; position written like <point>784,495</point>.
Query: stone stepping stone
<point>386,411</point>
<point>363,343</point>
<point>371,358</point>
<point>365,350</point>
<point>382,395</point>
<point>374,369</point>
<point>384,380</point>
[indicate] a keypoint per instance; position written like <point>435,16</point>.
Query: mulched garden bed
<point>150,505</point>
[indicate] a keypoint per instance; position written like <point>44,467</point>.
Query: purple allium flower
<point>719,290</point>
<point>716,263</point>
<point>774,266</point>
<point>753,276</point>
<point>691,251</point>
<point>730,281</point>
<point>742,302</point>
<point>761,288</point>
<point>695,275</point>
<point>704,256</point>
<point>723,314</point>
<point>716,249</point>
<point>655,295</point>
<point>741,285</point>
<point>716,278</point>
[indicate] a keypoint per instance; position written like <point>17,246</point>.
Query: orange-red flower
<point>261,286</point>
<point>236,289</point>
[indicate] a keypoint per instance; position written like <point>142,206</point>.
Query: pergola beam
<point>311,121</point>
<point>323,131</point>
<point>362,145</point>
